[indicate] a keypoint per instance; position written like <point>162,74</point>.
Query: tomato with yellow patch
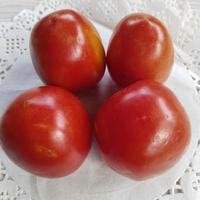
<point>67,51</point>
<point>46,131</point>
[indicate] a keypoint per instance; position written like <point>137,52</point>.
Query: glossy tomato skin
<point>66,51</point>
<point>46,131</point>
<point>140,48</point>
<point>142,130</point>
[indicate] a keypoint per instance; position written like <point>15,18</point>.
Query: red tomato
<point>142,130</point>
<point>67,51</point>
<point>46,131</point>
<point>140,48</point>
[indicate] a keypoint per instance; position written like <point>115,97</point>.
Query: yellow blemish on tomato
<point>95,44</point>
<point>26,103</point>
<point>40,125</point>
<point>66,38</point>
<point>48,152</point>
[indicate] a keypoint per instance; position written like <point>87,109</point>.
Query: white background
<point>9,8</point>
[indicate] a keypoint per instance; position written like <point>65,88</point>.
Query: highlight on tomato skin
<point>67,51</point>
<point>142,130</point>
<point>140,48</point>
<point>46,131</point>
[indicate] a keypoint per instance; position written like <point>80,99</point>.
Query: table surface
<point>9,8</point>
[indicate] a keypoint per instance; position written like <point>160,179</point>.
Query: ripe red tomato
<point>142,130</point>
<point>140,48</point>
<point>46,131</point>
<point>67,51</point>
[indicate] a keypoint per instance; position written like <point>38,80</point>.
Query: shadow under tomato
<point>95,97</point>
